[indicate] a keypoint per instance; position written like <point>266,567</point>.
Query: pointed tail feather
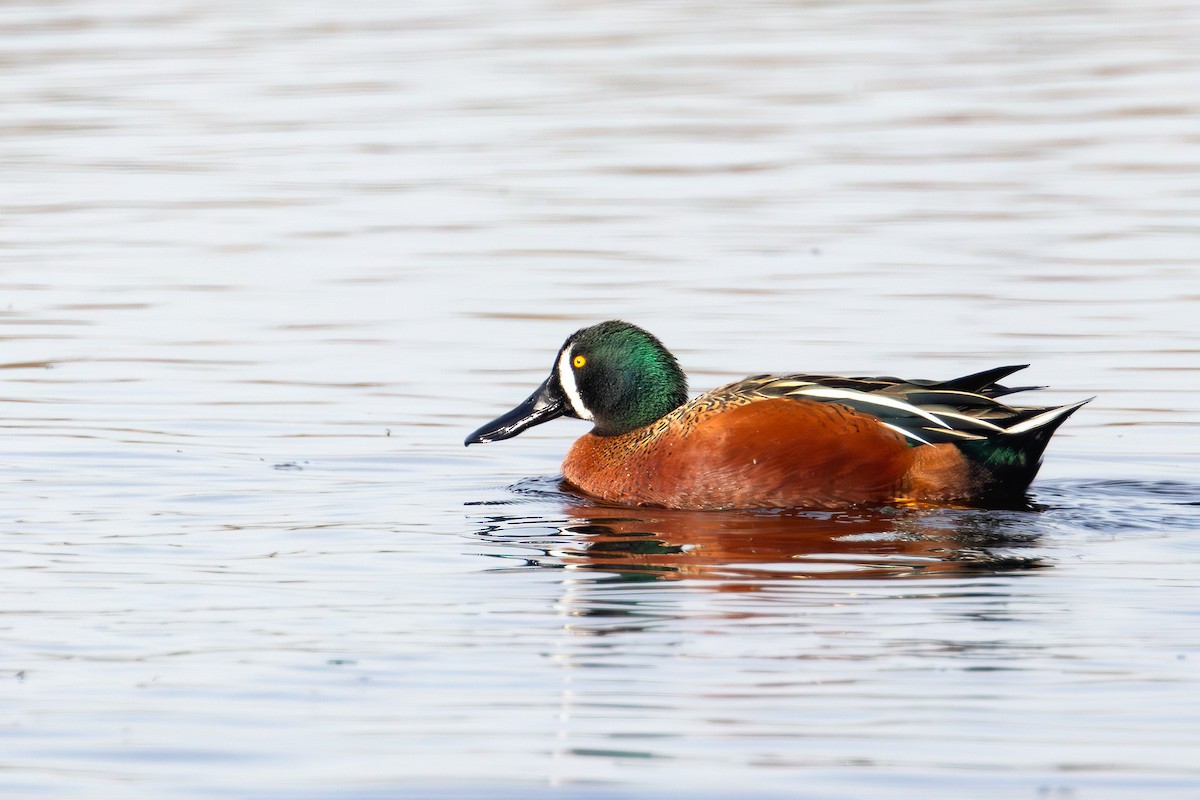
<point>1008,461</point>
<point>979,381</point>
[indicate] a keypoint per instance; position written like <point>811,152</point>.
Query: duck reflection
<point>741,550</point>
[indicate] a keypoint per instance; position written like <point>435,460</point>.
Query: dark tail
<point>984,383</point>
<point>1008,461</point>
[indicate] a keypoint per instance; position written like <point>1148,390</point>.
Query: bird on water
<point>779,441</point>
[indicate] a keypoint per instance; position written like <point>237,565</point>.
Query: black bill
<point>546,403</point>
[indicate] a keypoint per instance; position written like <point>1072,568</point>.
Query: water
<point>263,267</point>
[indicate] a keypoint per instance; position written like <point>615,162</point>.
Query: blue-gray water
<point>262,267</point>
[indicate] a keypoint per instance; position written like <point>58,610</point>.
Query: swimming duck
<point>779,441</point>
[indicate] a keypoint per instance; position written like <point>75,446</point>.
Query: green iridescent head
<point>616,374</point>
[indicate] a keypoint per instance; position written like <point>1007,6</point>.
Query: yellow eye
<point>578,362</point>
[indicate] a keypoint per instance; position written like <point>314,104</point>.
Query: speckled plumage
<point>742,447</point>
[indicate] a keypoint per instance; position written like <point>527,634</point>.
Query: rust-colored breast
<point>737,452</point>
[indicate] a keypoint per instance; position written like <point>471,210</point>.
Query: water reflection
<point>742,550</point>
<point>678,634</point>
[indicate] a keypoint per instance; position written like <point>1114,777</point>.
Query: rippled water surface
<point>263,266</point>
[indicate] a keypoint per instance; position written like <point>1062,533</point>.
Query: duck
<point>779,441</point>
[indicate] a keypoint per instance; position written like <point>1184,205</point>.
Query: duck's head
<point>615,374</point>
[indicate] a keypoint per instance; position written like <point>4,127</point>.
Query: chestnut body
<point>722,452</point>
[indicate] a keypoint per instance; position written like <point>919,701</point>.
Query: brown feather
<point>740,452</point>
